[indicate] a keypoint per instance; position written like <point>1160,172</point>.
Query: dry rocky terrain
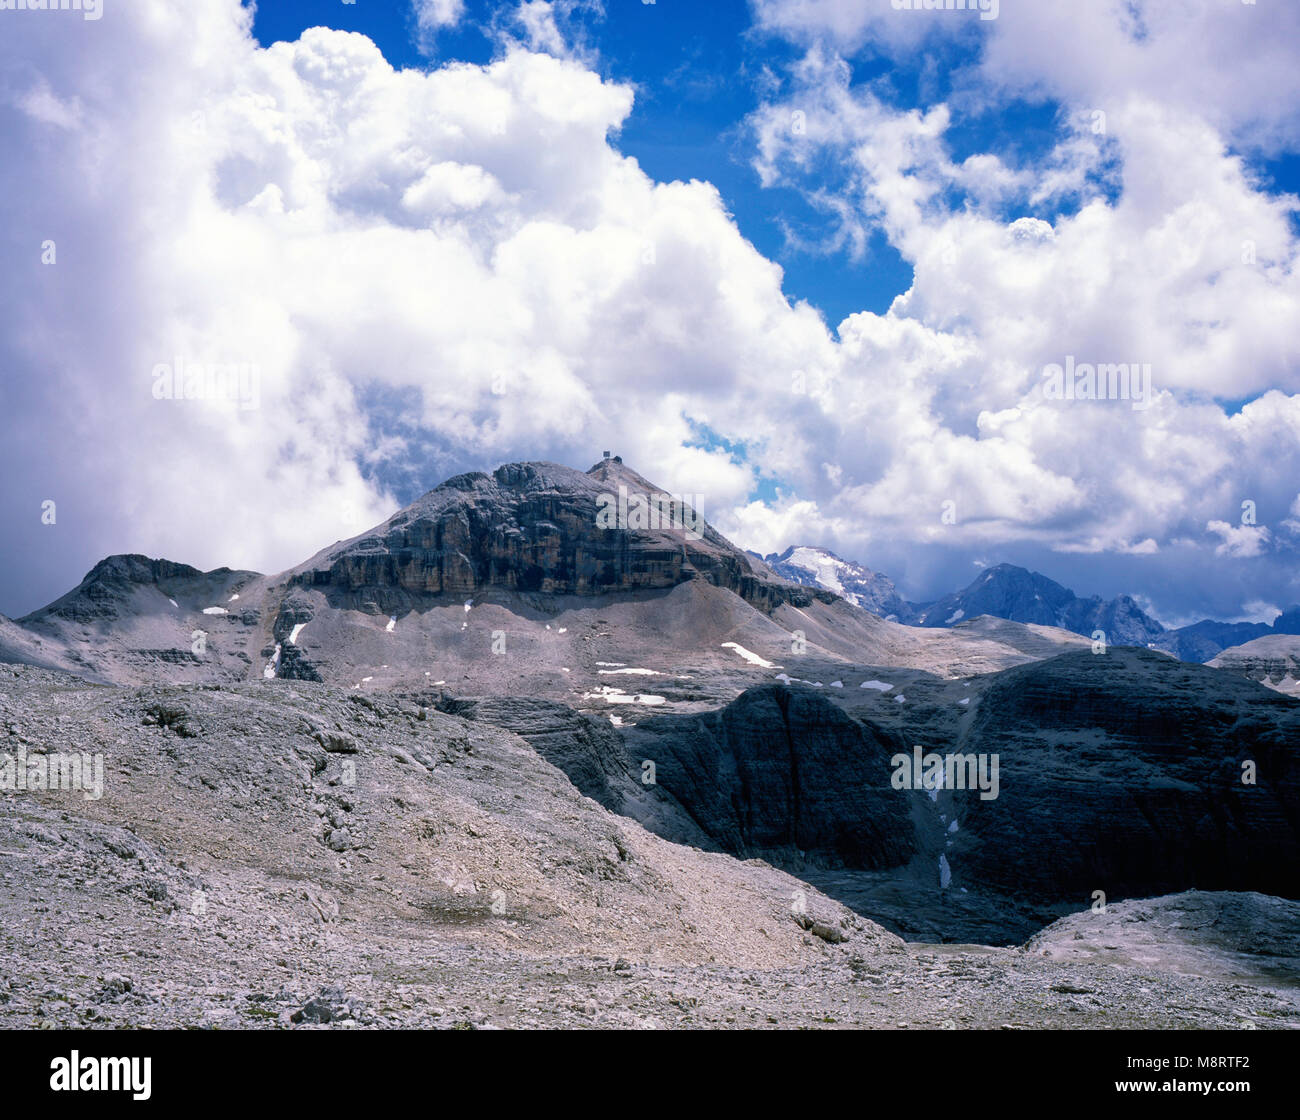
<point>292,854</point>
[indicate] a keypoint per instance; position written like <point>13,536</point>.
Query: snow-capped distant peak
<point>819,567</point>
<point>824,567</point>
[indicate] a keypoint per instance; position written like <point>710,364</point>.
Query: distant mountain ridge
<point>525,552</point>
<point>535,577</point>
<point>1205,640</point>
<point>1019,595</point>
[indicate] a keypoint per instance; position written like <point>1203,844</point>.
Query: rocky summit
<point>539,527</point>
<point>546,749</point>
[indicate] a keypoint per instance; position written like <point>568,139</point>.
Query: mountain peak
<point>819,567</point>
<point>544,528</point>
<point>110,585</point>
<point>614,472</point>
<point>1020,595</point>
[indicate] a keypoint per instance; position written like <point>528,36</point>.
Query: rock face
<point>1124,773</point>
<point>538,527</point>
<point>588,750</point>
<point>1024,596</point>
<point>783,773</point>
<point>578,569</point>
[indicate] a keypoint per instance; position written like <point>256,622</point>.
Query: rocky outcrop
<point>296,610</point>
<point>1119,772</point>
<point>784,774</point>
<point>538,527</point>
<point>1123,773</point>
<point>1239,935</point>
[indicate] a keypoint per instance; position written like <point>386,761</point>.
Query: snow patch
<point>215,610</point>
<point>879,686</point>
<point>392,621</point>
<point>629,672</point>
<point>752,658</point>
<point>945,873</point>
<point>612,695</point>
<point>297,629</point>
<point>273,664</point>
<point>956,616</point>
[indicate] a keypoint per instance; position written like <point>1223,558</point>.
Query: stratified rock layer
<point>1123,773</point>
<point>783,773</point>
<point>534,527</point>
